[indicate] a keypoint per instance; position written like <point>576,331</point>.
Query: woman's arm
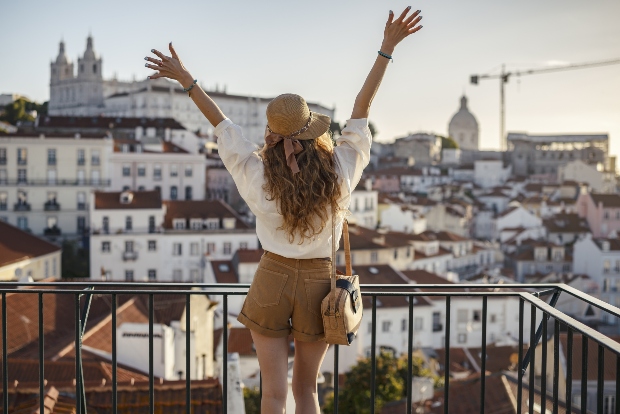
<point>395,32</point>
<point>173,68</point>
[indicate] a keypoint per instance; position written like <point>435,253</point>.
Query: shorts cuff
<point>253,326</point>
<point>304,337</point>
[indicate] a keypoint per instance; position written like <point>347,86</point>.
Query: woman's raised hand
<point>169,67</point>
<point>397,30</point>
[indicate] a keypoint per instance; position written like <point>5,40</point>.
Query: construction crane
<point>504,76</point>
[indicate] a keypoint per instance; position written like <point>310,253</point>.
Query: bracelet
<point>189,88</point>
<point>385,55</point>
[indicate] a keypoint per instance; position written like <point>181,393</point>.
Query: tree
<point>251,397</point>
<point>19,110</point>
<point>390,380</point>
<point>335,128</point>
<point>373,129</point>
<point>447,142</point>
<point>75,261</point>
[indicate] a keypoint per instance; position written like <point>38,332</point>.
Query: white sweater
<point>352,154</point>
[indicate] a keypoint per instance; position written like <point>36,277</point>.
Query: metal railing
<point>533,299</point>
<point>57,182</point>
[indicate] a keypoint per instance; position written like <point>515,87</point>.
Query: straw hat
<point>288,115</point>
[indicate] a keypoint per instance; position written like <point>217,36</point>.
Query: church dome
<point>62,59</point>
<point>463,127</point>
<point>89,54</point>
<point>463,118</point>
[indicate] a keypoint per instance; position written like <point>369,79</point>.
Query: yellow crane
<point>504,76</point>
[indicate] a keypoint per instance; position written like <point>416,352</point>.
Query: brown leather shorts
<point>285,297</point>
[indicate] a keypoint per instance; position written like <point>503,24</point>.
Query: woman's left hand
<point>169,67</point>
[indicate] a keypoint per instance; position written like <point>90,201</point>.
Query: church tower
<point>463,128</point>
<point>90,78</point>
<point>62,68</point>
<point>61,77</point>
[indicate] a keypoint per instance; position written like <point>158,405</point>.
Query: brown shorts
<point>285,297</point>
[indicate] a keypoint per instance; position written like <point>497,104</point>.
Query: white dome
<point>62,59</point>
<point>464,119</point>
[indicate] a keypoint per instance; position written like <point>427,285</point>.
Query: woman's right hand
<point>397,30</point>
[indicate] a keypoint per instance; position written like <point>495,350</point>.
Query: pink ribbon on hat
<point>292,147</point>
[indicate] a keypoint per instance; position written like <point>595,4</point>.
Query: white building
<point>515,217</point>
<point>364,205</point>
<point>24,256</point>
<point>491,173</point>
<point>45,180</point>
<point>88,93</point>
<point>399,217</point>
<point>166,167</point>
<point>599,181</point>
<point>136,236</point>
<point>463,128</point>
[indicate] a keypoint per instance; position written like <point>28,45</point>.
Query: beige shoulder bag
<point>342,307</point>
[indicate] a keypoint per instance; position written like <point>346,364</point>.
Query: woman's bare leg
<point>273,360</point>
<point>308,359</point>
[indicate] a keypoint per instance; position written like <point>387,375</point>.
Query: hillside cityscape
<point>121,182</point>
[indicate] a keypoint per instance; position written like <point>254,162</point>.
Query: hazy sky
<point>323,50</point>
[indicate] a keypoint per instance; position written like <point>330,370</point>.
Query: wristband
<point>189,88</point>
<point>385,55</point>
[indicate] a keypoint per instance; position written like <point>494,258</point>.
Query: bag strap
<point>347,258</point>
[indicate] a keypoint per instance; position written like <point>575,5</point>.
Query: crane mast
<point>504,76</point>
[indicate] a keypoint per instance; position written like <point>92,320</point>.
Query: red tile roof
<point>111,200</point>
<point>224,271</point>
<point>17,245</point>
<point>248,255</point>
<point>608,200</point>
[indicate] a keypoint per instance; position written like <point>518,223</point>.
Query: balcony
<point>130,256</point>
<point>82,206</point>
<point>582,387</point>
<point>52,231</point>
<point>21,206</point>
<point>57,182</point>
<point>51,206</point>
<point>3,207</point>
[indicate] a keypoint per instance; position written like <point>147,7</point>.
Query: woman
<point>294,185</point>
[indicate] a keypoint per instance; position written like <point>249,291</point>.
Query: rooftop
<point>17,245</point>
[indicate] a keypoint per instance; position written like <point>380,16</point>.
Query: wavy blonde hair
<point>310,194</point>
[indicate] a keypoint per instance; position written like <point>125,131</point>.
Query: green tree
<point>391,384</point>
<point>251,397</point>
<point>373,129</point>
<point>19,110</point>
<point>335,128</point>
<point>447,142</point>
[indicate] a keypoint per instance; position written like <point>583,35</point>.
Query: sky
<point>323,51</point>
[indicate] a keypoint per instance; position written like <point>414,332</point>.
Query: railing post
<point>225,357</point>
<point>483,357</point>
<point>151,373</point>
<point>446,385</point>
<point>188,333</point>
<point>373,355</point>
<point>335,379</point>
<point>552,303</point>
<point>41,357</point>
<point>5,362</point>
<point>114,380</point>
<point>519,372</point>
<point>410,354</point>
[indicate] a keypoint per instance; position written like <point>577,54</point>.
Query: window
<point>174,170</point>
<point>243,246</point>
<point>51,177</point>
<point>194,249</point>
<point>606,266</point>
<point>151,224</point>
<point>81,224</point>
<point>128,223</point>
<point>177,275</point>
<point>403,325</point>
<point>609,404</point>
<point>94,157</point>
<point>212,223</point>
<point>54,266</point>
<point>385,326</point>
<point>492,318</point>
<point>129,246</point>
<point>3,200</point>
<point>3,178</point>
<point>81,157</point>
<point>2,156</point>
<point>177,249</point>
<point>395,254</point>
<point>22,197</point>
<point>173,192</point>
<point>178,224</point>
<point>210,247</point>
<point>461,338</point>
<point>606,214</point>
<point>22,175</point>
<point>188,192</point>
<point>128,275</point>
<point>81,200</point>
<point>126,168</point>
<point>52,222</point>
<point>51,156</point>
<point>196,224</point>
<point>157,172</point>
<point>152,245</point>
<point>105,247</point>
<point>477,316</point>
<point>47,269</point>
<point>81,176</point>
<point>374,257</point>
<point>227,247</point>
<point>141,170</point>
<point>22,223</point>
<point>22,156</point>
<point>105,225</point>
<point>152,274</point>
<point>189,171</point>
<point>437,326</point>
